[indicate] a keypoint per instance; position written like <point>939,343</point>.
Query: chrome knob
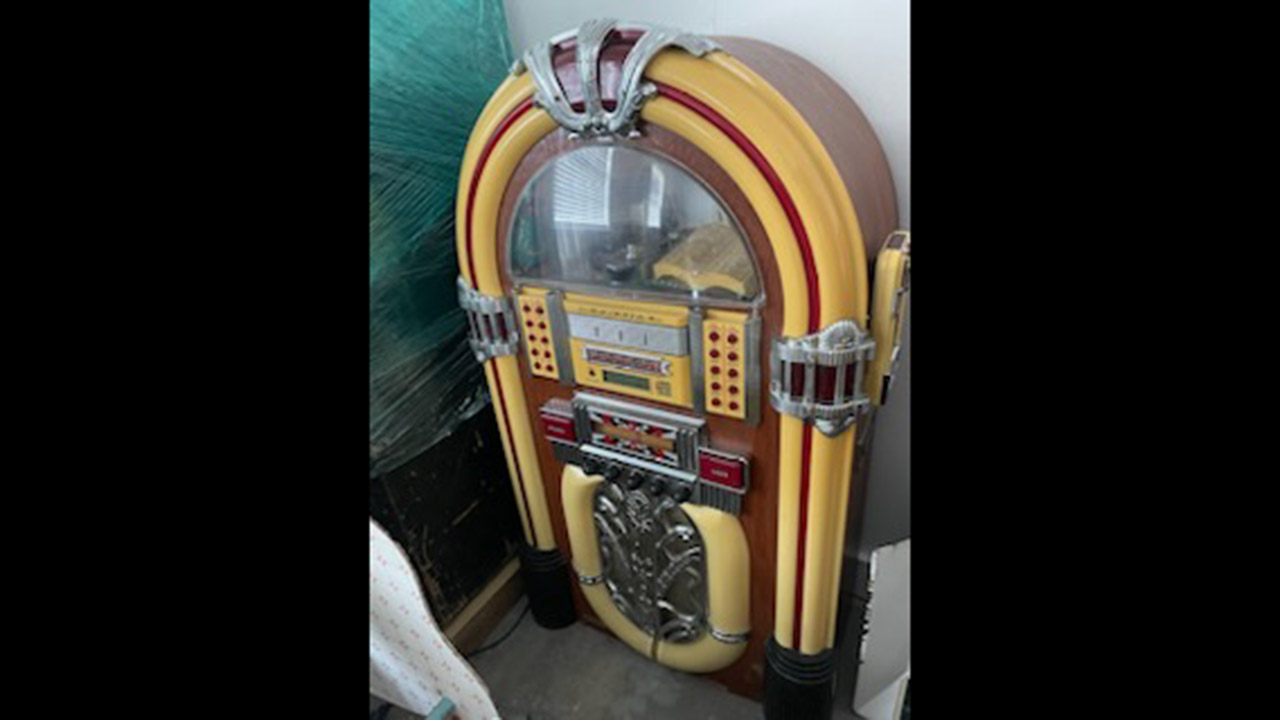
<point>635,479</point>
<point>681,492</point>
<point>657,485</point>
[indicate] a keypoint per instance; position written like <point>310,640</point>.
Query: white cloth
<point>411,662</point>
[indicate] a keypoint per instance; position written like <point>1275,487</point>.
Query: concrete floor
<point>528,679</point>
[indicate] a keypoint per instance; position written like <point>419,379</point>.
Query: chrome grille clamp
<point>493,330</point>
<point>818,377</point>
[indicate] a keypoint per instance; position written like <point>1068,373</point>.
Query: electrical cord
<point>505,635</point>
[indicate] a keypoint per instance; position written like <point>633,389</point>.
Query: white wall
<point>865,45</point>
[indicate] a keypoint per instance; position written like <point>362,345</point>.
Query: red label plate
<point>558,427</point>
<point>721,470</point>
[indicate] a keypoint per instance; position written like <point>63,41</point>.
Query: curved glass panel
<point>615,217</point>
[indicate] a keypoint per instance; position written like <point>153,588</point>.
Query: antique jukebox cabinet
<point>664,244</point>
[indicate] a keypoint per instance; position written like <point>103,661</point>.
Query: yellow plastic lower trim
<point>706,654</point>
<point>577,493</point>
<point>728,594</point>
<point>728,563</point>
<point>728,579</point>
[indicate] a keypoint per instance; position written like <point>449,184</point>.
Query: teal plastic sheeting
<point>432,66</point>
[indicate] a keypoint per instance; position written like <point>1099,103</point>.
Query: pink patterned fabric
<point>411,662</point>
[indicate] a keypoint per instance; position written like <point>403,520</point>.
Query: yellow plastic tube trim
<point>801,161</point>
<point>520,443</point>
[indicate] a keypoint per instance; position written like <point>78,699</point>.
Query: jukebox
<point>680,262</point>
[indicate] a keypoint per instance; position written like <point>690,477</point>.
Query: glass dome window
<point>616,217</point>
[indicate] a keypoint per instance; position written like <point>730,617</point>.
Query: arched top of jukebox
<point>790,139</point>
<point>611,216</point>
<point>590,79</point>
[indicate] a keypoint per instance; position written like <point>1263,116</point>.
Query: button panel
<point>539,343</point>
<point>724,363</point>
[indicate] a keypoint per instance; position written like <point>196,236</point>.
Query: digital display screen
<point>628,380</point>
<point>626,361</point>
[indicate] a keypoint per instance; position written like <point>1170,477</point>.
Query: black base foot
<point>546,580</point>
<point>796,686</point>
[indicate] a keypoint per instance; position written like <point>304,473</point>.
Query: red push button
<point>721,470</point>
<point>558,427</point>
